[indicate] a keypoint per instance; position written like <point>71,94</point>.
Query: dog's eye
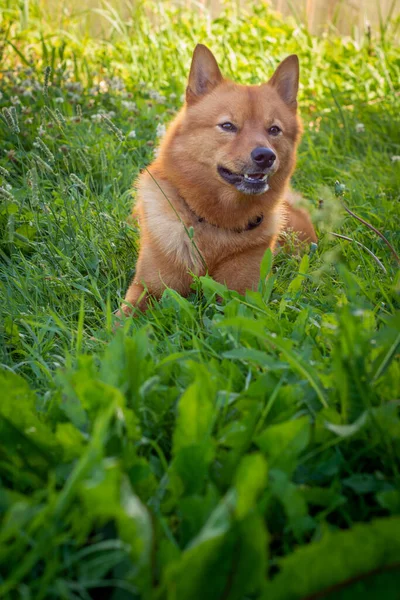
<point>228,126</point>
<point>274,130</point>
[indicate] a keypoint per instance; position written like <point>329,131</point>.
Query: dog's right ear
<point>204,74</point>
<point>286,80</point>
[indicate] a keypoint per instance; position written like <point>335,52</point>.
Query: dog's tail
<point>298,219</point>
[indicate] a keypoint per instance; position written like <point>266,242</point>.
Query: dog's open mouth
<point>247,183</point>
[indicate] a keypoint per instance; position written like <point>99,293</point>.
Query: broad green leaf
<point>252,355</point>
<point>249,564</point>
<point>297,282</point>
<point>390,499</point>
<point>284,442</point>
<point>191,465</point>
<point>195,511</point>
<point>208,558</point>
<point>108,496</point>
<point>211,287</point>
<point>71,440</point>
<point>337,560</point>
<point>266,264</point>
<point>370,587</point>
<point>21,429</point>
<point>250,481</point>
<point>293,503</point>
<point>364,483</point>
<point>226,558</point>
<point>195,413</point>
<point>348,430</point>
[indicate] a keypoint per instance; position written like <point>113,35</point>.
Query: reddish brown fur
<point>182,184</point>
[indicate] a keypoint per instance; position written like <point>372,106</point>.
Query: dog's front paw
<point>120,315</point>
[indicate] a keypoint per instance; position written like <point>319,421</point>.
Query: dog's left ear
<point>204,74</point>
<point>286,80</point>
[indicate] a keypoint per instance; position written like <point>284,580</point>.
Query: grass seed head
<point>4,193</point>
<point>110,125</point>
<point>47,73</point>
<point>8,114</point>
<point>4,172</point>
<point>78,182</point>
<point>40,144</point>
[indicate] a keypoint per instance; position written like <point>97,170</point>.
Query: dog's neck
<point>252,223</point>
<point>229,210</point>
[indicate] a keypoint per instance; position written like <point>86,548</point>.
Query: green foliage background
<point>244,450</point>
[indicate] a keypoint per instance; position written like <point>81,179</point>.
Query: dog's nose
<point>263,157</point>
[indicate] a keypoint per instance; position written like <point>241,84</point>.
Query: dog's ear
<point>204,74</point>
<point>286,80</point>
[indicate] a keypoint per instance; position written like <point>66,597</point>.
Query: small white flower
<point>395,158</point>
<point>41,130</point>
<point>157,97</point>
<point>15,100</point>
<point>161,129</point>
<point>98,117</point>
<point>59,100</point>
<point>360,127</point>
<point>132,134</point>
<point>130,106</point>
<point>8,187</point>
<point>116,83</point>
<point>74,86</point>
<point>172,96</point>
<point>103,87</point>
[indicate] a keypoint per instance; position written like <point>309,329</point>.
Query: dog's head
<point>246,136</point>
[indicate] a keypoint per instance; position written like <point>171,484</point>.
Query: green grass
<point>244,450</point>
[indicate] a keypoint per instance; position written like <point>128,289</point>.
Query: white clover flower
<point>103,87</point>
<point>395,158</point>
<point>74,86</point>
<point>360,127</point>
<point>161,129</point>
<point>102,113</point>
<point>130,106</point>
<point>132,134</point>
<point>59,100</point>
<point>116,83</point>
<point>157,97</point>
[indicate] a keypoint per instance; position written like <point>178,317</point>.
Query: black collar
<point>253,224</point>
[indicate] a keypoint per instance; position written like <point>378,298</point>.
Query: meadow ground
<point>244,450</point>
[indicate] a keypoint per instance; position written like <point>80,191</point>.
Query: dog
<point>217,195</point>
